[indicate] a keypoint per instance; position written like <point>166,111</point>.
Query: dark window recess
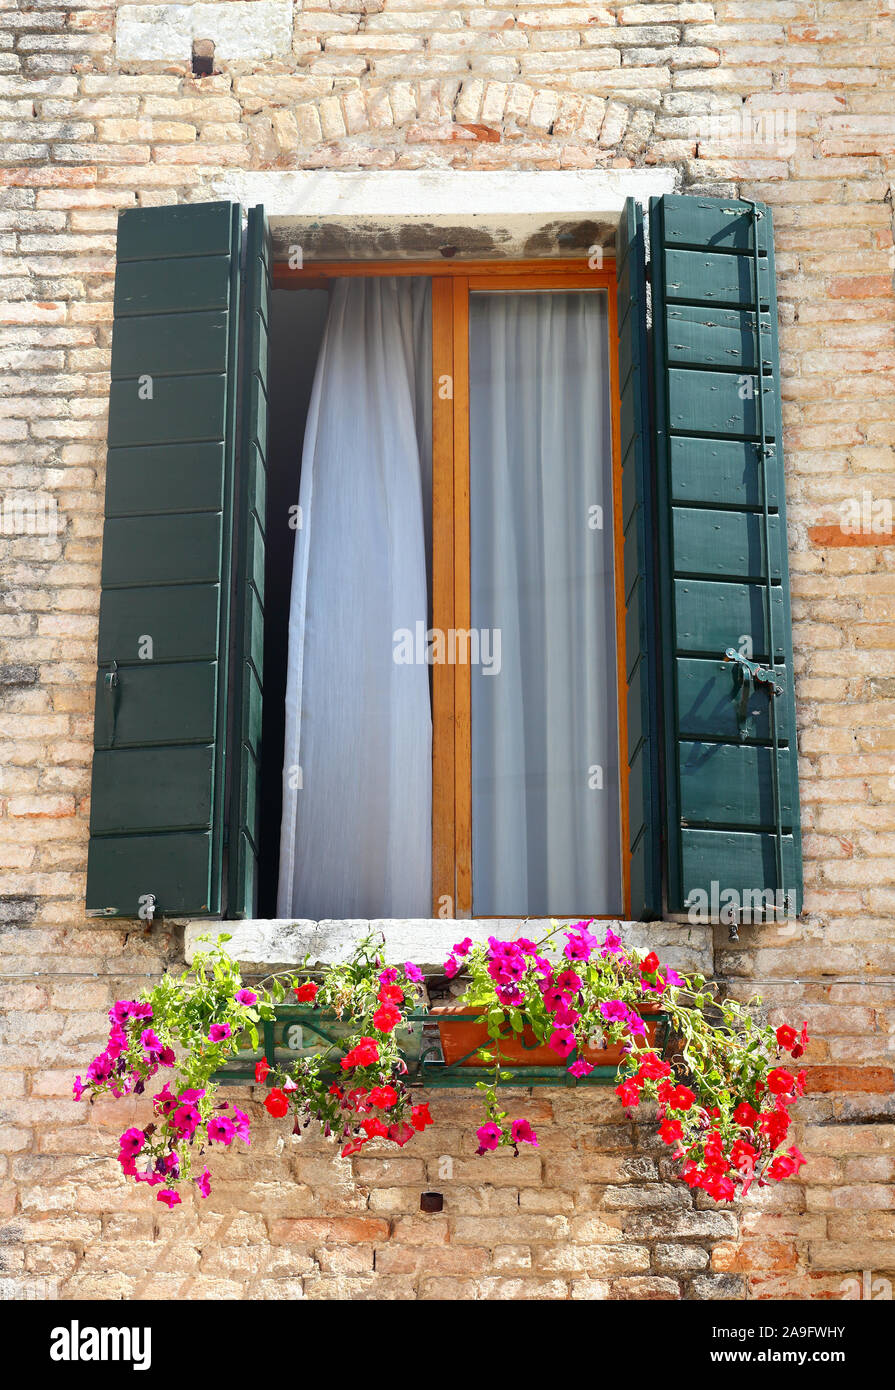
<point>297,318</point>
<point>203,57</point>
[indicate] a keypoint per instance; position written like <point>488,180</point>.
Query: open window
<point>419,578</point>
<point>441,728</point>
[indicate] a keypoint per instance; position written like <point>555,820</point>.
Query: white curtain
<point>357,781</point>
<point>545,813</point>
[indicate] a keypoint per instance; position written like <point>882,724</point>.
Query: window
<point>612,497</point>
<point>522,814</point>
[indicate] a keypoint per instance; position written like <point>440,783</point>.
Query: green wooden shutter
<point>640,623</point>
<point>730,784</point>
<point>158,792</point>
<point>249,611</point>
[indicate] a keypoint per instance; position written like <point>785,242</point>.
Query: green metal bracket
<point>751,674</point>
<point>299,1031</point>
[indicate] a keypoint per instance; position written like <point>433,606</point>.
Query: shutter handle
<point>751,674</point>
<point>112,685</point>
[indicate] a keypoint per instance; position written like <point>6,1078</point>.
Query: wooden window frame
<point>452,283</point>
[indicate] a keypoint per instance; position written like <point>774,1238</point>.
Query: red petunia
<point>670,1131</point>
<point>384,1097</point>
<point>745,1115</point>
<point>786,1037</point>
<point>420,1117</point>
<point>386,1017</point>
<point>650,964</point>
<point>277,1103</point>
<point>780,1081</point>
<point>628,1093</point>
<point>391,994</point>
<point>306,993</point>
<point>261,1069</point>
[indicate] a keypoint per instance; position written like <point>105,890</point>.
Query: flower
<point>781,1082</point>
<point>276,1102</point>
<point>131,1143</point>
<point>614,1010</point>
<point>261,1069</point>
<point>385,1018</point>
<point>521,1132</point>
<point>241,1125</point>
<point>149,1041</point>
<point>463,947</point>
<point>391,994</point>
<point>745,1115</point>
<point>568,981</point>
<point>802,1043</point>
<point>420,1117</point>
<point>511,996</point>
<point>186,1119</point>
<point>451,967</point>
<point>488,1136</point>
<point>670,1131</point>
<point>612,944</point>
<point>169,1197</point>
<point>77,1088</point>
<point>787,1037</point>
<point>652,1067</point>
<point>353,1146</point>
<point>580,945</point>
<point>123,1009</point>
<point>203,1182</point>
<point>580,1068</point>
<point>681,1098</point>
<point>221,1130</point>
<point>219,1031</point>
<point>307,992</point>
<point>413,972</point>
<point>374,1128</point>
<point>562,1040</point>
<point>400,1133</point>
<point>628,1093</point>
<point>384,1097</point>
<point>246,996</point>
<point>650,964</point>
<point>365,1054</point>
<point>388,976</point>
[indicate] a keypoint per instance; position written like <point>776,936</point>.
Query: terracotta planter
<point>461,1037</point>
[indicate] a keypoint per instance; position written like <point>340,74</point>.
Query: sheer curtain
<point>356,831</point>
<point>545,781</point>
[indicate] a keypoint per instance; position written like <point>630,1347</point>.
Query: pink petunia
<point>488,1136</point>
<point>521,1132</point>
<point>169,1197</point>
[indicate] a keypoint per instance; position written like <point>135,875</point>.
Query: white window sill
<point>428,941</point>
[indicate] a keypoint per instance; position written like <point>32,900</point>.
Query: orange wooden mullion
<point>443,888</point>
<point>462,618</point>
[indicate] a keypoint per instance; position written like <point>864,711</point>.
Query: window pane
<point>545,775</point>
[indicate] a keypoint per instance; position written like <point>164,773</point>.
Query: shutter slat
<point>157,797</point>
<point>731,786</point>
<point>641,696</point>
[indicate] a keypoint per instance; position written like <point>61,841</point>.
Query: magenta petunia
<point>221,1130</point>
<point>463,947</point>
<point>521,1132</point>
<point>246,996</point>
<point>451,967</point>
<point>488,1136</point>
<point>580,1068</point>
<point>169,1197</point>
<point>562,1040</point>
<point>203,1182</point>
<point>150,1041</point>
<point>219,1031</point>
<point>131,1142</point>
<point>77,1088</point>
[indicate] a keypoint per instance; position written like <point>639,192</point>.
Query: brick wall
<point>390,84</point>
